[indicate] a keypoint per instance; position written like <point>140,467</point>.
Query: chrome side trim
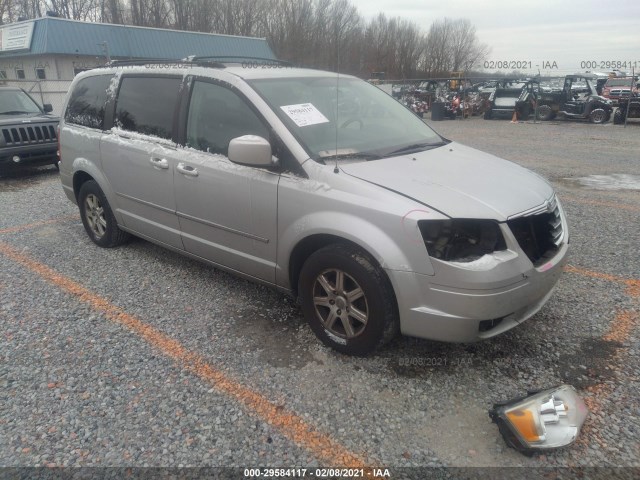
<point>222,227</point>
<point>144,202</point>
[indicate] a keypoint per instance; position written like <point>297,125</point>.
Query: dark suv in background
<point>28,133</point>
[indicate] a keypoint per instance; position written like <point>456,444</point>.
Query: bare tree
<point>327,34</point>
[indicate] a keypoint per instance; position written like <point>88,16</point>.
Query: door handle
<point>159,162</point>
<point>187,170</point>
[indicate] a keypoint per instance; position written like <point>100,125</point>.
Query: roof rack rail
<point>198,58</point>
<point>160,61</point>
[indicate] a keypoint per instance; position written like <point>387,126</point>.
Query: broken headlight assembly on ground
<point>461,240</point>
<point>543,420</point>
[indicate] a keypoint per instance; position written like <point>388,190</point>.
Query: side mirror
<point>47,108</point>
<point>251,150</point>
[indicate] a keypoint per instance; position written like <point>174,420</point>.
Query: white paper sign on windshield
<point>304,114</point>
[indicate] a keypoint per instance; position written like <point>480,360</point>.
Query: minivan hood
<point>459,181</point>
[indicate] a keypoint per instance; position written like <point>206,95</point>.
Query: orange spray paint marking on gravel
<point>19,228</point>
<point>620,330</point>
<point>288,423</point>
<point>633,286</point>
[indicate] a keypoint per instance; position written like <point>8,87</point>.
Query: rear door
<point>227,212</point>
<point>138,156</point>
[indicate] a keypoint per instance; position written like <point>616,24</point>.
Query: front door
<point>227,212</point>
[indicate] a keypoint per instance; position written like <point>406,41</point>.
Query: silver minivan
<point>320,185</point>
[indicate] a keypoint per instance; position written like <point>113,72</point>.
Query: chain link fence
<point>44,91</point>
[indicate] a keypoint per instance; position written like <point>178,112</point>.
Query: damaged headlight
<point>545,420</point>
<point>461,240</point>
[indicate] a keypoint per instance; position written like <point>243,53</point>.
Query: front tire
<point>545,113</point>
<point>97,217</point>
<point>348,300</point>
<point>598,115</point>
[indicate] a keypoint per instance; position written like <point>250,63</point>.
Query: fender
<point>379,244</point>
<point>81,164</point>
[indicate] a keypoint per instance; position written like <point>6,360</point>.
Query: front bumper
<point>513,292</point>
<point>29,154</point>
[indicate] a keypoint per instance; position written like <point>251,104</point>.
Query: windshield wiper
<point>15,112</point>
<point>357,155</point>
<point>415,147</point>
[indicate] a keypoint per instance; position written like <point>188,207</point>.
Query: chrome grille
<point>29,135</point>
<point>539,231</point>
<point>555,222</point>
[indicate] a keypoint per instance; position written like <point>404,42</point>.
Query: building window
<point>20,74</point>
<point>41,74</point>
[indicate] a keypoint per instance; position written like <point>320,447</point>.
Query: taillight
<point>58,152</point>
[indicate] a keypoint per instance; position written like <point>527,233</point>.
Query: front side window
<point>216,116</point>
<point>87,102</point>
<point>146,105</point>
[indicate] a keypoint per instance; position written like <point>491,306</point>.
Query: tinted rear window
<point>87,102</point>
<point>146,105</point>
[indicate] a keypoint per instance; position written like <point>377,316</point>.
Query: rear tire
<point>618,117</point>
<point>348,300</point>
<point>545,113</point>
<point>97,217</point>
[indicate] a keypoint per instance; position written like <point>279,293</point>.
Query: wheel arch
<point>80,178</point>
<point>311,244</point>
<point>84,170</point>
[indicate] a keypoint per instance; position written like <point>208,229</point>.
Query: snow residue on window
<point>112,89</point>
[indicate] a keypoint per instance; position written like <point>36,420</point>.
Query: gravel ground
<point>77,388</point>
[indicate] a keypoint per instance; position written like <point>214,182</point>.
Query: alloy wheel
<point>340,303</point>
<point>94,213</point>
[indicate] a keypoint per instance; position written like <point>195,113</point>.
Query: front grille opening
<point>31,134</point>
<point>486,325</point>
<point>539,236</point>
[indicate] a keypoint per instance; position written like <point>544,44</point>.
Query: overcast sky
<point>567,32</point>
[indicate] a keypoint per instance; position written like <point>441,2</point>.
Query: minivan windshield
<point>345,118</point>
<point>15,102</point>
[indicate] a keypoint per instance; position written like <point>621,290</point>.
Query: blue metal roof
<point>70,37</point>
